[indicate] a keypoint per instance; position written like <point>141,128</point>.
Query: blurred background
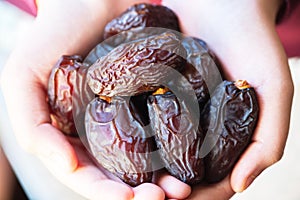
<point>281,181</point>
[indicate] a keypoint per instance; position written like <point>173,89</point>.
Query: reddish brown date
<point>137,67</point>
<point>141,16</point>
<point>200,70</point>
<point>61,86</point>
<point>178,137</point>
<point>118,141</point>
<point>230,119</point>
<point>103,48</point>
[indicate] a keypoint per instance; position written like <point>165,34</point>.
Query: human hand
<point>243,36</point>
<point>66,28</point>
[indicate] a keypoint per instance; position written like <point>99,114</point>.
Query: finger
<point>143,191</point>
<point>269,138</point>
<point>87,183</point>
<point>149,191</point>
<point>52,147</point>
<point>173,187</point>
<point>251,164</point>
<point>26,99</point>
<point>59,156</point>
<point>88,180</point>
<point>219,191</point>
<point>31,123</point>
<point>31,62</point>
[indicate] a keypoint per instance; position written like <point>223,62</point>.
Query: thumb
<point>269,139</point>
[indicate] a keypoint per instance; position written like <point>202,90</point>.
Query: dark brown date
<point>103,48</point>
<point>141,16</point>
<point>200,70</point>
<point>137,67</point>
<point>178,137</point>
<point>82,96</point>
<point>118,141</point>
<point>61,86</point>
<point>230,119</point>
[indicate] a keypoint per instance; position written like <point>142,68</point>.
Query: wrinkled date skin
<point>200,70</point>
<point>231,118</point>
<point>137,67</point>
<point>103,48</point>
<point>137,22</point>
<point>110,98</point>
<point>61,87</point>
<point>118,141</point>
<point>141,16</point>
<point>177,136</point>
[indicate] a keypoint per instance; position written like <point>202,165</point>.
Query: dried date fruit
<point>112,102</point>
<point>103,48</point>
<point>141,16</point>
<point>137,67</point>
<point>118,141</point>
<point>61,86</point>
<point>82,96</point>
<point>200,70</point>
<point>229,120</point>
<point>178,137</point>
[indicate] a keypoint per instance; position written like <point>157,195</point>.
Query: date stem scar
<point>161,91</point>
<point>242,84</point>
<point>106,98</point>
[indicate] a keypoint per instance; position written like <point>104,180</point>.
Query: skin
<point>243,36</point>
<point>228,32</point>
<point>31,61</point>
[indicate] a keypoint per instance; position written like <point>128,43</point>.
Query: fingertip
<point>53,148</point>
<point>109,189</point>
<point>174,188</point>
<point>240,183</point>
<point>249,166</point>
<point>219,190</point>
<point>148,191</point>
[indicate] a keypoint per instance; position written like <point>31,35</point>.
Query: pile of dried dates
<point>148,97</point>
